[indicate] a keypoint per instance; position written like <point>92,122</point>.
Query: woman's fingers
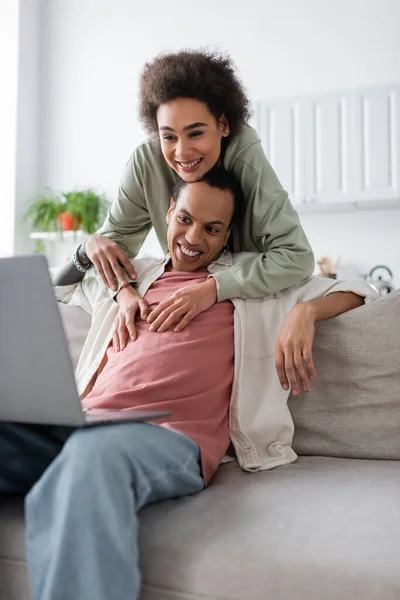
<point>99,268</point>
<point>108,274</point>
<point>126,264</point>
<point>109,259</point>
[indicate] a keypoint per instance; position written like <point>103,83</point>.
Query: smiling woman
<point>195,110</point>
<point>190,147</point>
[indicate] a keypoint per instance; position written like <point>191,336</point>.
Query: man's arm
<point>331,305</point>
<point>293,354</point>
<point>67,275</point>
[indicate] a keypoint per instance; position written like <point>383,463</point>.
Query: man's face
<point>198,225</point>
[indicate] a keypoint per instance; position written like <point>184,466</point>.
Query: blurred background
<point>324,79</point>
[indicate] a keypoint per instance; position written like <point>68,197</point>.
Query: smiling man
<point>188,374</point>
<point>85,487</point>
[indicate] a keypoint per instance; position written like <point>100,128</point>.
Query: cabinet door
<point>377,143</point>
<point>328,150</point>
<point>280,126</point>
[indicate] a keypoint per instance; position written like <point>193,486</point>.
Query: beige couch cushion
<point>353,409</point>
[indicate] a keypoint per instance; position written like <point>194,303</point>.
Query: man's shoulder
<point>145,266</point>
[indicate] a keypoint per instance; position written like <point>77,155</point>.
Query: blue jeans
<point>84,488</point>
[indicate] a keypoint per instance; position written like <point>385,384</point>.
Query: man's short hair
<point>223,180</point>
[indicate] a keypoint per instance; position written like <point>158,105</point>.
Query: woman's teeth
<point>189,252</point>
<point>188,165</point>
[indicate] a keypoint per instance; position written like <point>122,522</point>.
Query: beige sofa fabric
<point>353,409</point>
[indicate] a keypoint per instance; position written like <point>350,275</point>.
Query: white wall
<point>9,18</point>
<point>28,111</point>
<point>93,52</point>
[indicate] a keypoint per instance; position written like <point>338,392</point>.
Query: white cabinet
<point>336,151</point>
<point>377,143</point>
<point>280,126</point>
<point>328,148</point>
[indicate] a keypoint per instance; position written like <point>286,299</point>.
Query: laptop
<point>37,382</point>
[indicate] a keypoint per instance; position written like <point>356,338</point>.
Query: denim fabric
<point>84,490</point>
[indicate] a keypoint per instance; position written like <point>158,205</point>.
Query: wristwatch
<point>80,260</point>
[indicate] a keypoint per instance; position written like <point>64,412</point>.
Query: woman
<point>195,109</point>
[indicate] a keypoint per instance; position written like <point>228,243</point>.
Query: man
<point>86,486</point>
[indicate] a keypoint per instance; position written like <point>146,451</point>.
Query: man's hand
<point>293,355</point>
<point>129,303</point>
<point>183,305</point>
<point>109,260</point>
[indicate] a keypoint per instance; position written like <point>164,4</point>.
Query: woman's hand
<point>129,304</point>
<point>183,305</point>
<point>293,355</point>
<point>109,260</point>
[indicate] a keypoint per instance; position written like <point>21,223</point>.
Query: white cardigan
<point>261,427</point>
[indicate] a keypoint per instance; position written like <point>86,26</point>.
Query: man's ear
<point>227,236</point>
<point>172,205</point>
<point>224,126</point>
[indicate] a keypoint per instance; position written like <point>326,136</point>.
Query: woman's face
<point>190,137</point>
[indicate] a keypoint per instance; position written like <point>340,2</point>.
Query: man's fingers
<point>280,369</point>
<point>291,373</point>
<point>298,363</point>
<point>115,342</point>
<point>130,325</point>
<point>307,355</point>
<point>122,334</point>
<point>144,309</point>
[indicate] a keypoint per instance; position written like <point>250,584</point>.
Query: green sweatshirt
<point>270,226</point>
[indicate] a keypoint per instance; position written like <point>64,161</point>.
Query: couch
<point>326,527</point>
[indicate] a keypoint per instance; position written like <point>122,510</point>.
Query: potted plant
<point>84,208</point>
<point>68,211</point>
<point>44,212</point>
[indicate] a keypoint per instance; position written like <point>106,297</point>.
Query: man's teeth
<point>189,252</point>
<point>188,165</point>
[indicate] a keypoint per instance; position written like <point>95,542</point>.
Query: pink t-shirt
<point>188,373</point>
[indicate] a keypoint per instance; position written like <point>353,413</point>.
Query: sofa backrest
<point>353,408</point>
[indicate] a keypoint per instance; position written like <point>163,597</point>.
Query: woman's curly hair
<point>203,75</point>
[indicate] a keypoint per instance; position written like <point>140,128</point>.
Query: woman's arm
<point>293,353</point>
<point>270,228</point>
<point>143,201</point>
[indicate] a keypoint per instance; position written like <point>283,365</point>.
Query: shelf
<point>58,236</point>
